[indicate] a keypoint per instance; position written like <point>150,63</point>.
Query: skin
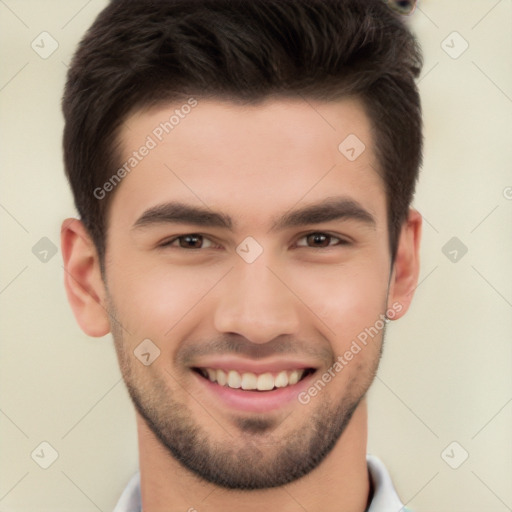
<point>254,164</point>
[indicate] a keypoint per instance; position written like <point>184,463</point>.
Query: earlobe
<point>406,268</point>
<point>82,279</point>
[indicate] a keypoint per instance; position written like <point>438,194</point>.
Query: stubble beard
<point>262,453</point>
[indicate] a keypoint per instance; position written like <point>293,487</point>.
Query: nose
<point>255,302</point>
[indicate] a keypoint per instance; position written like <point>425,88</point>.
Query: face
<point>253,253</point>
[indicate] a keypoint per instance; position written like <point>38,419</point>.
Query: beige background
<point>446,374</point>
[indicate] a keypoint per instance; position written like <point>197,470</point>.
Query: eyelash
<point>341,241</point>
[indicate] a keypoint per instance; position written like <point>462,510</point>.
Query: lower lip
<point>255,401</point>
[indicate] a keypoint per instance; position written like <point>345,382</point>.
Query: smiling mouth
<point>249,381</point>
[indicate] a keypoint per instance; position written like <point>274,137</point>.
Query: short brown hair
<point>141,52</point>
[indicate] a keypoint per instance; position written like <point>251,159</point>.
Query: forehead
<point>247,158</point>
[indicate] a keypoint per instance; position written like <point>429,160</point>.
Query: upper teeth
<point>249,380</point>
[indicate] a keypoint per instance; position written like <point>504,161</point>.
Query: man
<point>243,173</point>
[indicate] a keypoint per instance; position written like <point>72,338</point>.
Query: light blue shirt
<point>385,498</point>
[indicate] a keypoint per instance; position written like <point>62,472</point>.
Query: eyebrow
<point>181,213</point>
<point>337,208</point>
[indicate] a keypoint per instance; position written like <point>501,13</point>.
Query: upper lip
<point>254,366</point>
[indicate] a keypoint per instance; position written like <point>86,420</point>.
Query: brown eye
<point>191,241</point>
<point>320,241</point>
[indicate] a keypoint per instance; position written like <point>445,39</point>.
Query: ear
<point>82,278</point>
<point>406,268</point>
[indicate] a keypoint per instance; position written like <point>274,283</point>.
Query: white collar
<point>385,498</point>
<point>130,500</point>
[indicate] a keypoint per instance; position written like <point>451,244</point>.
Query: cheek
<point>347,300</point>
<point>152,301</point>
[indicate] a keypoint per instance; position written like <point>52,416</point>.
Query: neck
<point>340,482</point>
